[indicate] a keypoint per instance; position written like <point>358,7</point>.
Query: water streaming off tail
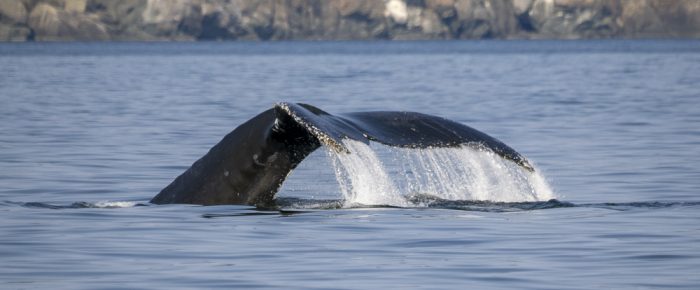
<point>381,175</point>
<point>363,177</point>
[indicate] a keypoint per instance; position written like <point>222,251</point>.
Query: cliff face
<point>47,20</point>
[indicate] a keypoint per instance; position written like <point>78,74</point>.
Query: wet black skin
<point>249,165</point>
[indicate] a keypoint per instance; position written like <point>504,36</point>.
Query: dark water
<point>90,132</point>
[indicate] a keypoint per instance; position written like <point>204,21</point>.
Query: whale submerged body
<point>249,165</point>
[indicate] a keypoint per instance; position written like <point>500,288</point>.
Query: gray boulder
<point>13,12</point>
<point>659,18</point>
<point>51,24</point>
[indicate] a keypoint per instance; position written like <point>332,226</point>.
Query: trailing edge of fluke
<point>249,165</point>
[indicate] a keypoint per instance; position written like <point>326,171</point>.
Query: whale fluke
<point>249,165</point>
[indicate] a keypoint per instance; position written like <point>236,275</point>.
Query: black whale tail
<point>249,165</point>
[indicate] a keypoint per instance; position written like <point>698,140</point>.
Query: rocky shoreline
<point>145,20</point>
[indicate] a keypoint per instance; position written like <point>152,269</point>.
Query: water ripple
<point>291,205</point>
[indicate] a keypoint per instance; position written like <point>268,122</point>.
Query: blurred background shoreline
<point>255,20</point>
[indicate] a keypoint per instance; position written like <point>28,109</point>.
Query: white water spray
<point>387,175</point>
<point>363,178</point>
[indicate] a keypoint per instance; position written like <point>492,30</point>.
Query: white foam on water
<point>114,204</point>
<point>382,175</point>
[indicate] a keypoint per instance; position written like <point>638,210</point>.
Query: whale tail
<point>249,165</point>
<point>397,129</point>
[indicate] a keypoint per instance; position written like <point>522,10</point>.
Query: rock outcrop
<point>67,20</point>
<point>50,23</point>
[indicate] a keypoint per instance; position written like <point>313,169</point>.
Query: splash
<point>384,175</point>
<point>363,178</point>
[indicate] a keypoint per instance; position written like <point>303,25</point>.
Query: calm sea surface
<point>90,132</point>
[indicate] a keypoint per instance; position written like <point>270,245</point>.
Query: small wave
<point>300,203</point>
<point>117,204</point>
<point>79,204</point>
<point>639,205</point>
<point>423,200</point>
<point>292,205</point>
<point>430,201</point>
<point>254,212</point>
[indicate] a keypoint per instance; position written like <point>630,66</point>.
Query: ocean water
<point>89,132</point>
